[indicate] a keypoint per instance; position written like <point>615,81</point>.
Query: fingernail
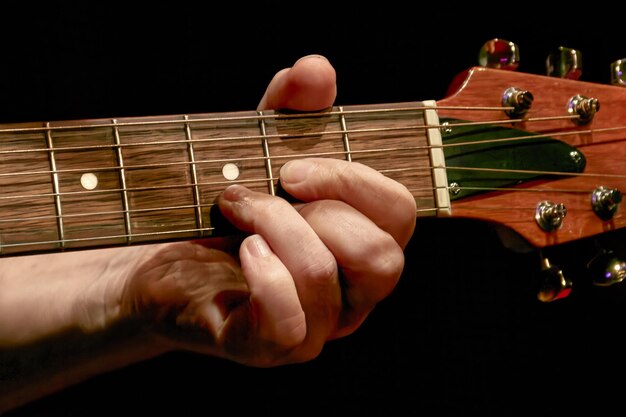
<point>257,246</point>
<point>312,56</point>
<point>296,171</point>
<point>234,193</point>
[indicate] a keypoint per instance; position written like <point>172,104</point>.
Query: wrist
<point>45,295</point>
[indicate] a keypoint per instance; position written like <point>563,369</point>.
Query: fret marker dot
<point>230,171</point>
<point>89,181</point>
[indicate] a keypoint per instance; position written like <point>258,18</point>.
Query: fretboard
<point>111,182</point>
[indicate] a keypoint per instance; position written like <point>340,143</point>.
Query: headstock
<point>558,206</point>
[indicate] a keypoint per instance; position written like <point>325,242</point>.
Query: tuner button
<point>519,101</point>
<point>553,285</point>
<point>499,53</point>
<point>606,269</point>
<point>605,202</point>
<point>549,216</point>
<point>618,72</point>
<point>565,63</point>
<point>583,107</point>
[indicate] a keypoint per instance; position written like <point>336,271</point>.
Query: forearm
<point>41,295</point>
<point>61,321</point>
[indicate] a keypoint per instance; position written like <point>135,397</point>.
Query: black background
<point>463,334</point>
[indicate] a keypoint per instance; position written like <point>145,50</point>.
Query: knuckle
<point>322,272</point>
<point>386,262</point>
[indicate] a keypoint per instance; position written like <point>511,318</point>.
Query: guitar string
<point>291,136</point>
<point>263,180</point>
<point>266,179</point>
<point>226,160</point>
<point>189,119</point>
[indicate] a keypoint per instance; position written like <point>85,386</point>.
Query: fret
<point>91,192</point>
<point>266,154</point>
<point>294,137</point>
<point>55,187</point>
<point>226,151</point>
<point>158,184</point>
<point>346,139</point>
<point>122,176</point>
<point>27,206</point>
<point>401,154</point>
<point>194,176</point>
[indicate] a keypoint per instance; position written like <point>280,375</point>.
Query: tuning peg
<point>553,285</point>
<point>565,63</point>
<point>618,72</point>
<point>499,53</point>
<point>606,269</point>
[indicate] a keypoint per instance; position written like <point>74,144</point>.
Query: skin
<point>302,275</point>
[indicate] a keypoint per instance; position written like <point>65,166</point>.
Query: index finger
<point>386,202</point>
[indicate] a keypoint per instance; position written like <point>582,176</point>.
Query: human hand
<point>305,274</point>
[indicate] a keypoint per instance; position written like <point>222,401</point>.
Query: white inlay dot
<point>89,181</point>
<point>230,171</point>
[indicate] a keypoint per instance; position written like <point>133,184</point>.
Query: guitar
<point>537,155</point>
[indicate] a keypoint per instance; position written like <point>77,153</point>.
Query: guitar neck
<point>112,182</point>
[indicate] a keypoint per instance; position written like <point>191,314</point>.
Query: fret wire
<point>344,136</point>
<point>194,176</point>
<point>55,188</point>
<point>96,238</point>
<point>122,178</point>
<point>266,154</point>
<point>250,118</point>
<point>326,133</point>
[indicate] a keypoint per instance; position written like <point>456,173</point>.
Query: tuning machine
<point>500,54</point>
<point>565,63</point>
<point>554,285</point>
<point>606,269</point>
<point>618,72</point>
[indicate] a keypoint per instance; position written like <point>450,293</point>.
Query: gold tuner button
<point>553,284</point>
<point>606,269</point>
<point>618,72</point>
<point>499,53</point>
<point>565,63</point>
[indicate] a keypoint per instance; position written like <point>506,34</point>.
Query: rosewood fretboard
<point>110,182</point>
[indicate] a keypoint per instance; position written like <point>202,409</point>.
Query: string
<point>317,154</point>
<point>254,118</point>
<point>277,178</point>
<point>282,135</point>
<point>100,238</point>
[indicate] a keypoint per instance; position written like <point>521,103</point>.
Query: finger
<point>309,85</point>
<point>273,294</point>
<point>386,202</point>
<point>311,264</point>
<point>370,259</point>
